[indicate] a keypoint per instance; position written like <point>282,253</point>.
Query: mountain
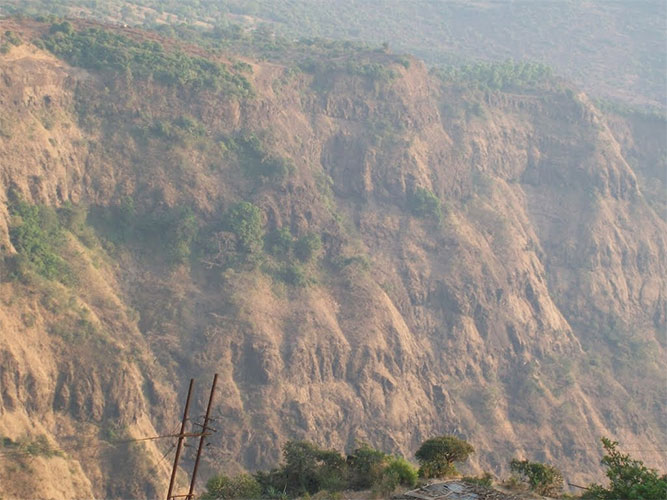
<point>361,248</point>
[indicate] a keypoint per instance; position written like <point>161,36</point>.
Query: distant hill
<point>613,50</point>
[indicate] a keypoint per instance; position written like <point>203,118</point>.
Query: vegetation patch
<point>244,220</point>
<point>7,40</point>
<point>102,50</point>
<point>506,75</point>
<point>541,478</point>
<point>293,255</point>
<point>166,231</point>
<point>256,161</point>
<point>423,203</point>
<point>38,446</point>
<point>308,469</point>
<point>485,479</point>
<point>37,234</point>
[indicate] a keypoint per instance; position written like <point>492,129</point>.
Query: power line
<point>164,456</point>
<point>100,445</point>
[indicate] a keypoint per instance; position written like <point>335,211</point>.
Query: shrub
<point>39,447</point>
<point>543,479</point>
<point>171,230</point>
<point>306,247</point>
<point>437,455</point>
<point>222,487</point>
<point>273,483</point>
<point>245,220</point>
<point>257,162</point>
<point>395,471</point>
<point>403,470</point>
<point>359,262</point>
<point>366,465</point>
<point>164,231</point>
<point>423,203</point>
<point>12,38</point>
<point>486,479</point>
<point>386,485</point>
<point>293,274</point>
<point>182,229</point>
<point>36,234</point>
<point>279,242</point>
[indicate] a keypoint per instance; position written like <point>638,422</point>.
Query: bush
<point>437,455</point>
<point>279,242</point>
<point>404,471</point>
<point>37,447</point>
<point>171,230</point>
<point>423,203</point>
<point>486,479</point>
<point>36,234</point>
<point>386,485</point>
<point>245,220</point>
<point>366,465</point>
<point>543,479</point>
<point>273,483</point>
<point>222,487</point>
<point>306,247</point>
<point>396,472</point>
<point>257,162</point>
<point>12,38</point>
<point>293,274</point>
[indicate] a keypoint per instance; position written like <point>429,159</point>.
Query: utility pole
<point>204,434</point>
<point>180,440</point>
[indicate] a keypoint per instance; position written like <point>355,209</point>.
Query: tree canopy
<point>437,455</point>
<point>628,478</point>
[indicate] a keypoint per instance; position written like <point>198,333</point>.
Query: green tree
<point>543,479</point>
<point>628,478</point>
<point>308,468</point>
<point>366,465</point>
<point>437,455</point>
<point>222,487</point>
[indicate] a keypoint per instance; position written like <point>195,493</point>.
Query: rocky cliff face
<point>492,265</point>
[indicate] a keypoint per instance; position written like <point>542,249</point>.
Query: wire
<point>164,456</point>
<point>19,452</point>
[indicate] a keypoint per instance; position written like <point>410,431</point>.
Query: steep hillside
<point>361,250</point>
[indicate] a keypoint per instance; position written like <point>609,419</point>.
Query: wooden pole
<point>181,436</point>
<point>203,437</point>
